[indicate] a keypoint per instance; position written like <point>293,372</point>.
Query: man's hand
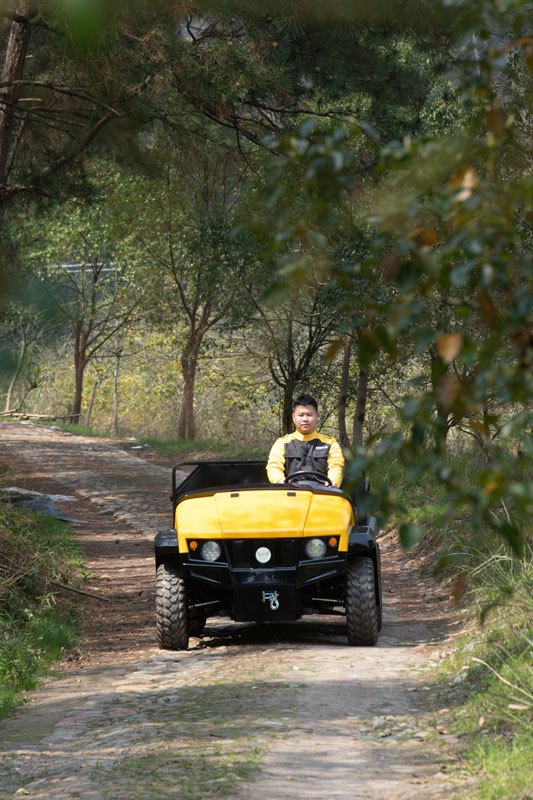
<point>281,480</point>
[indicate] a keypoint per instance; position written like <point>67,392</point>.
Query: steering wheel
<point>315,474</point>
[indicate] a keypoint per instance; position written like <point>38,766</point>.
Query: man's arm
<point>276,462</point>
<point>335,463</point>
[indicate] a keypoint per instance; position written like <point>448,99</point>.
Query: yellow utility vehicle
<point>254,551</point>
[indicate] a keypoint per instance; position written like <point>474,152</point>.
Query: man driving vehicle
<point>305,450</point>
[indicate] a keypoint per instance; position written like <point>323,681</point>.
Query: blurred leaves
<point>410,534</point>
<point>452,254</point>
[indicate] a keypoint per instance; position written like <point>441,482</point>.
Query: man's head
<point>305,414</point>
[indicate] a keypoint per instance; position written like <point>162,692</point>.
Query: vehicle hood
<point>263,513</point>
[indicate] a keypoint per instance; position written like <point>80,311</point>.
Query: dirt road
<point>248,712</point>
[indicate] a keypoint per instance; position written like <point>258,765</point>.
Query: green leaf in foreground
<point>410,534</point>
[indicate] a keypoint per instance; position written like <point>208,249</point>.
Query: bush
<point>36,625</point>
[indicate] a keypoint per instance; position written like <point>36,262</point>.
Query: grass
<point>489,687</point>
<point>502,768</point>
<point>78,429</point>
<point>487,681</point>
<point>229,450</point>
<point>36,626</point>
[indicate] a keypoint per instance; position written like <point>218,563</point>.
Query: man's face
<point>305,419</point>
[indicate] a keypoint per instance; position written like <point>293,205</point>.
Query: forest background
<point>207,207</point>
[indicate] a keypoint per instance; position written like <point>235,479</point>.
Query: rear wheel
<point>362,615</point>
<point>171,609</point>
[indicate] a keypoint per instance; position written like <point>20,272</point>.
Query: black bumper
<point>271,592</point>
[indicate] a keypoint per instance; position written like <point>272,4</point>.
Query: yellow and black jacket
<point>298,451</point>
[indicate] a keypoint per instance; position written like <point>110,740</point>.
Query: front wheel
<point>362,617</point>
<point>171,609</point>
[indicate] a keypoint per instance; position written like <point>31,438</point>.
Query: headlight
<point>315,548</point>
<point>210,551</point>
<point>263,555</point>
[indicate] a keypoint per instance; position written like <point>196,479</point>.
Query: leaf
<point>392,262</point>
<point>447,391</point>
<point>307,127</point>
<point>410,534</point>
<point>449,346</point>
<point>410,407</point>
<point>86,20</point>
<point>528,54</point>
<point>496,121</point>
<point>487,608</point>
<point>333,349</point>
<point>514,538</point>
<point>423,338</point>
<point>369,347</point>
<point>488,309</point>
<point>462,184</point>
<point>424,237</point>
<point>369,130</point>
<point>276,292</point>
<point>414,471</point>
<point>480,427</point>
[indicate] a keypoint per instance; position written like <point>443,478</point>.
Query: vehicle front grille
<point>241,552</point>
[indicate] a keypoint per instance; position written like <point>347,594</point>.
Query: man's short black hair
<point>305,400</point>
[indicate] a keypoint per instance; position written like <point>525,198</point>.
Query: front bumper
<point>276,591</point>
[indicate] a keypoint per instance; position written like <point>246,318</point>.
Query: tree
<point>49,116</point>
<point>191,264</point>
<point>452,215</point>
<point>290,338</point>
<point>121,76</point>
<point>86,282</point>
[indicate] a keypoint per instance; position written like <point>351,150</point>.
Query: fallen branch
<point>23,415</point>
<point>68,588</point>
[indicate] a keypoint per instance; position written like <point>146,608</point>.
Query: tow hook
<point>272,598</point>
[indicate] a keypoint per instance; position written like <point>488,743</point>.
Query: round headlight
<point>263,555</point>
<point>210,551</point>
<point>315,548</point>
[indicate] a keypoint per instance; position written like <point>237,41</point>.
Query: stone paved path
<point>248,712</point>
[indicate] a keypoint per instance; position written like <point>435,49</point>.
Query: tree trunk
<point>15,56</point>
<point>343,394</point>
<point>442,425</point>
<point>91,404</point>
<point>115,393</point>
<point>286,419</point>
<point>360,408</point>
<point>189,362</point>
<point>79,374</point>
<point>22,354</point>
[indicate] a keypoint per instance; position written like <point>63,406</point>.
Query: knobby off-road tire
<point>362,615</point>
<point>171,609</point>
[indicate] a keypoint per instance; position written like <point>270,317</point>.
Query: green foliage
<point>451,222</point>
<point>491,673</point>
<point>502,768</point>
<point>35,625</point>
<point>486,684</point>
